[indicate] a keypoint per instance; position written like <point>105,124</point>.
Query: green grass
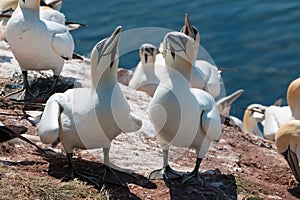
<point>22,185</point>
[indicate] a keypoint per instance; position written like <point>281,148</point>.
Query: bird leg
<point>25,89</point>
<point>193,176</point>
<point>52,87</point>
<point>166,172</point>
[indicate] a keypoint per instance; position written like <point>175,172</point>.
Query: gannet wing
<point>293,162</point>
<point>210,117</point>
<point>62,41</point>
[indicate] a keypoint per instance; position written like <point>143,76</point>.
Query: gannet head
<point>192,32</point>
<point>105,54</point>
<point>148,53</point>
<point>177,47</point>
<point>293,94</point>
<point>254,113</point>
<point>30,4</point>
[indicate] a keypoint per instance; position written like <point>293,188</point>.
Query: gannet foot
<point>117,177</point>
<point>193,178</point>
<point>165,173</point>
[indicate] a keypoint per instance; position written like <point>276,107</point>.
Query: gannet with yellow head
<point>89,118</point>
<point>182,116</point>
<point>38,44</point>
<point>287,138</point>
<point>254,114</point>
<point>144,77</point>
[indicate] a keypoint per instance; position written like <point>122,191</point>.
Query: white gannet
<point>254,114</point>
<point>89,118</point>
<point>38,44</point>
<point>182,116</point>
<point>144,77</point>
<point>224,106</point>
<point>287,140</point>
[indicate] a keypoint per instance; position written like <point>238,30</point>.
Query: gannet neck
<point>181,66</point>
<point>293,94</point>
<point>178,50</point>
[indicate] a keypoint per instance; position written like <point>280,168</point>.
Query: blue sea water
<point>259,38</point>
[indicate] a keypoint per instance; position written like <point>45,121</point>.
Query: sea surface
<point>260,39</point>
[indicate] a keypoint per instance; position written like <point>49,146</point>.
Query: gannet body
<point>89,118</point>
<point>144,77</point>
<point>182,116</point>
<point>275,116</point>
<point>287,141</point>
<point>50,42</point>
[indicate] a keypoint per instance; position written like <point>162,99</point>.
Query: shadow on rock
<point>59,168</point>
<point>216,186</point>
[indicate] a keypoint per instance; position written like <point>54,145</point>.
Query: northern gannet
<point>144,77</point>
<point>254,114</point>
<point>38,44</point>
<point>89,118</point>
<point>182,116</point>
<point>287,140</point>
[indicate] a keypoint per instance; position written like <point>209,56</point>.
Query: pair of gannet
<point>38,44</point>
<point>89,118</point>
<point>204,75</point>
<point>287,137</point>
<point>182,116</point>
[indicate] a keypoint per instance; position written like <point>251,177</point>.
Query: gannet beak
<point>293,162</point>
<point>188,28</point>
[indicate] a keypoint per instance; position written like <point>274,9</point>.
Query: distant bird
<point>182,116</point>
<point>253,115</point>
<point>144,77</point>
<point>89,118</point>
<point>287,140</point>
<point>50,43</point>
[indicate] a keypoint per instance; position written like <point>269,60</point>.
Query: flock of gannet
<point>188,103</point>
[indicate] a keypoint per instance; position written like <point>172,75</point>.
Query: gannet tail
<point>48,128</point>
